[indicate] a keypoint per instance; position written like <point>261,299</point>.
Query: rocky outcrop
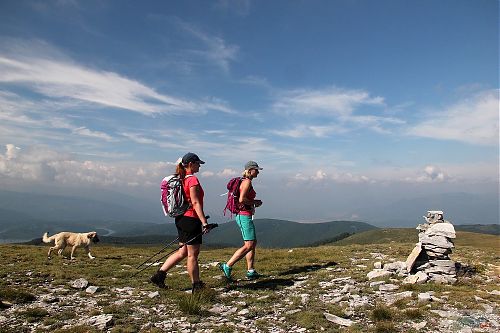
<point>430,257</point>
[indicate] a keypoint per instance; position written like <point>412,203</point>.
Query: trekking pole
<point>209,226</point>
<point>154,255</point>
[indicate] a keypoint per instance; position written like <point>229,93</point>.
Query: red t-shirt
<point>188,183</point>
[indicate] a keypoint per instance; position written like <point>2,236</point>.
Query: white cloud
<point>432,173</point>
<point>473,120</point>
<point>331,101</point>
<point>227,173</point>
<point>83,131</point>
<point>11,151</point>
<point>41,164</point>
<point>207,174</point>
<point>138,138</point>
<point>330,111</point>
<point>216,49</point>
<point>38,66</point>
<point>325,177</point>
<point>301,130</point>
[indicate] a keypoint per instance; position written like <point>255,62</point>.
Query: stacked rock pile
<point>430,259</point>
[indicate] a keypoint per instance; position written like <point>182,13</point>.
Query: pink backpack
<point>173,199</point>
<point>233,196</point>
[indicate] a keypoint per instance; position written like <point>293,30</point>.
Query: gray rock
<point>378,273</point>
<point>431,241</point>
<point>79,283</point>
<point>442,279</point>
<point>101,321</point>
<point>388,287</point>
<point>419,326</point>
<point>392,298</point>
<point>153,294</point>
<point>244,312</point>
<point>397,266</point>
<point>410,261</point>
<point>424,297</point>
<point>91,289</point>
<point>441,229</point>
<point>338,320</point>
<point>376,283</point>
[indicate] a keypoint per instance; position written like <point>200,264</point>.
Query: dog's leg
<point>88,252</point>
<point>73,251</point>
<point>50,251</point>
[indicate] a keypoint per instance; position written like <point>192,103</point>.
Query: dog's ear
<point>91,234</point>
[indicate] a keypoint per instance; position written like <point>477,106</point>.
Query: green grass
<point>382,313</point>
<point>26,273</point>
<point>15,295</point>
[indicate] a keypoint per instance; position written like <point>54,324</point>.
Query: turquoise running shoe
<point>226,270</point>
<point>251,275</point>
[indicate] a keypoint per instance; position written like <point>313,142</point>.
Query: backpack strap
<point>184,192</point>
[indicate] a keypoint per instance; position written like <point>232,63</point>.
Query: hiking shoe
<point>159,279</point>
<point>198,286</point>
<point>226,270</point>
<point>251,275</point>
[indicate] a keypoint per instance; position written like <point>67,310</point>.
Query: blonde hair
<point>246,173</point>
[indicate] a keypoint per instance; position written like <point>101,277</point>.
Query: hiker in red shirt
<point>244,219</point>
<point>190,226</point>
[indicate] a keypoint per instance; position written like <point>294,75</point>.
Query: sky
<point>346,104</point>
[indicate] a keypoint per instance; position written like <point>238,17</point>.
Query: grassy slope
<point>113,268</point>
<point>410,235</point>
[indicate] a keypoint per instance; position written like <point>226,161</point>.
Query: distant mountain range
<point>270,233</point>
<point>26,216</point>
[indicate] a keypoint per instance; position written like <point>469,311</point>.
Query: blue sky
<point>381,99</point>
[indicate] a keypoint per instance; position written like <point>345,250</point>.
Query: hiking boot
<point>198,286</point>
<point>226,270</point>
<point>251,275</point>
<point>159,279</point>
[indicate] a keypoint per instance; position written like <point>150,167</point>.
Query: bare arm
<point>244,188</point>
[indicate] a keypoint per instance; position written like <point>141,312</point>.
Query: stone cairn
<point>429,260</point>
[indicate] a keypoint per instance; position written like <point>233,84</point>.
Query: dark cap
<point>252,165</point>
<point>191,157</point>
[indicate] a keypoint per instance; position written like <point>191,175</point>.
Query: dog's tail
<point>46,238</point>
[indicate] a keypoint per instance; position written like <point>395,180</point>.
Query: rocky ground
<point>324,296</point>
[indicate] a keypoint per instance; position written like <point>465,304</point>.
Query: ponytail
<point>180,170</point>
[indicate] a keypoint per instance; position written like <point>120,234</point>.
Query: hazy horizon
<point>356,110</point>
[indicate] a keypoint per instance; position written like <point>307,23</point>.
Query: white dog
<point>72,239</point>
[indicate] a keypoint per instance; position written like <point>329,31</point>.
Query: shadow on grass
<point>307,268</point>
<point>465,270</point>
<point>271,284</point>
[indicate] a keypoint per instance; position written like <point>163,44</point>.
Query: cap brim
<point>201,162</point>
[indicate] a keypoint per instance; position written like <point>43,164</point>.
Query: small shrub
<point>124,329</point>
<point>191,304</point>
<point>223,329</point>
<point>77,329</point>
<point>414,314</point>
<point>310,319</point>
<point>381,313</point>
<point>385,327</point>
<point>34,314</point>
<point>336,310</point>
<point>66,314</point>
<point>16,296</point>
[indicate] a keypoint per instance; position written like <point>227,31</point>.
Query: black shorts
<point>189,230</point>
